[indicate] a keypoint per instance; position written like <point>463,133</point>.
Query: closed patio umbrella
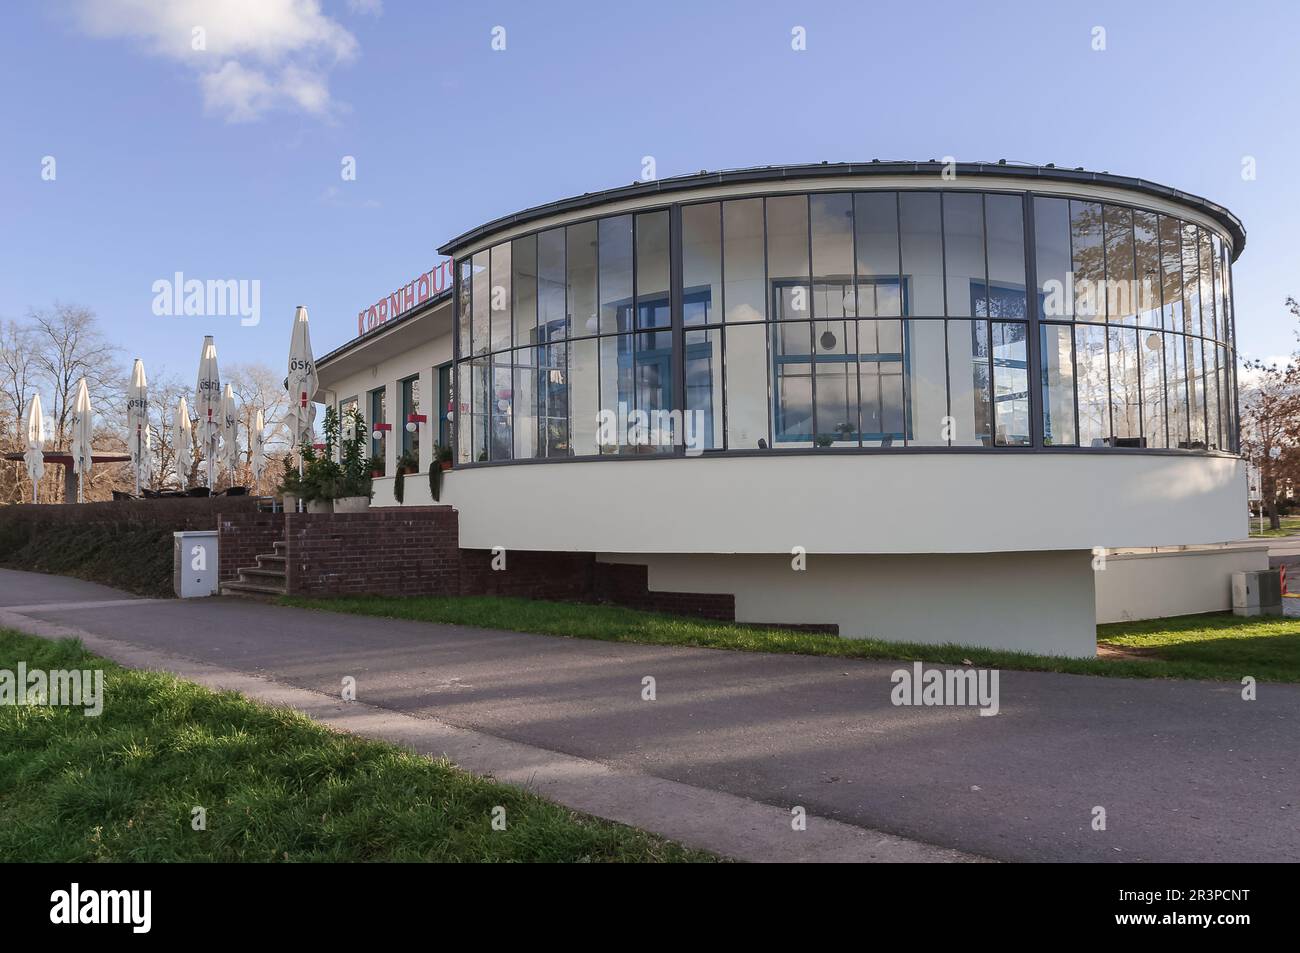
<point>184,441</point>
<point>81,431</point>
<point>258,440</point>
<point>35,455</point>
<point>302,381</point>
<point>207,406</point>
<point>137,423</point>
<point>229,431</point>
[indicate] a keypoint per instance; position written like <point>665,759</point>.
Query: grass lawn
<point>1290,527</point>
<point>275,785</point>
<point>1216,646</point>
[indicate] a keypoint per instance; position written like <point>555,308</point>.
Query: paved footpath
<point>1186,771</point>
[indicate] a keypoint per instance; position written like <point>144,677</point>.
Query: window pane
<point>875,222</point>
<point>922,252</point>
<point>1216,253</point>
<point>551,308</point>
<point>1120,306</point>
<point>742,234</point>
<point>653,387</point>
<point>1153,388</point>
<point>1176,391</point>
<point>482,298</point>
<point>747,380</point>
<point>704,389</point>
<point>1004,224</point>
<point>499,301</point>
<point>615,274</point>
<point>1058,385</point>
<point>524,407</point>
<point>832,255</point>
<point>787,255</point>
<point>963,248</point>
<point>464,426</point>
<point>1191,283</point>
<point>926,383</point>
<point>1089,263</point>
<point>652,270</point>
<point>584,395</point>
<point>968,383</point>
<point>1011,384</point>
<point>1052,257</point>
<point>1146,246</point>
<point>616,394</point>
<point>1194,365</point>
<point>1206,266</point>
<point>1211,384</point>
<point>1171,271</point>
<point>480,401</point>
<point>502,392</point>
<point>702,264</point>
<point>523,261</point>
<point>553,399</point>
<point>464,306</point>
<point>880,385</point>
<point>378,410</point>
<point>792,411</point>
<point>1125,400</point>
<point>580,250</point>
<point>836,374</point>
<point>1091,376</point>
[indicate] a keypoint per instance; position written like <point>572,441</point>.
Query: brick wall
<point>627,584</point>
<point>242,536</point>
<point>183,513</point>
<point>415,550</point>
<point>402,551</point>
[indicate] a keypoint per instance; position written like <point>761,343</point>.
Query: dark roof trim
<point>388,325</point>
<point>827,169</point>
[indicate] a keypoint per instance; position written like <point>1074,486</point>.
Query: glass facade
<point>848,319</point>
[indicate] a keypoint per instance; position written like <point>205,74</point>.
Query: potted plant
<point>355,484</point>
<point>321,475</point>
<point>408,462</point>
<point>444,457</point>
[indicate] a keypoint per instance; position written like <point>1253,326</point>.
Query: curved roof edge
<point>682,183</point>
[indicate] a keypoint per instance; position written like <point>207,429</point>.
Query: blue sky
<point>225,163</point>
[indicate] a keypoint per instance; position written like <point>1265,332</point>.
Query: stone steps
<point>264,581</point>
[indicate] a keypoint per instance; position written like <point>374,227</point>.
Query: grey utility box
<point>194,565</point>
<point>1257,593</point>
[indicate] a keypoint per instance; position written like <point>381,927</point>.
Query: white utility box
<point>194,566</point>
<point>1257,593</point>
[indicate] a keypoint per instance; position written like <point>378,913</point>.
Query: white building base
<point>1027,602</point>
<point>1154,584</point>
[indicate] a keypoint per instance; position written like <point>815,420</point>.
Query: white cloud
<point>250,56</point>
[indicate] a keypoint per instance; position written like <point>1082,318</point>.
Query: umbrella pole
<point>137,460</point>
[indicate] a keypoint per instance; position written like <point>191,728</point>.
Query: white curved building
<point>946,392</point>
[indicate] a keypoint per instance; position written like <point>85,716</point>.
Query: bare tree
<point>1270,424</point>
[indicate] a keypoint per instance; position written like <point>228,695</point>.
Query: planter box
<point>320,506</point>
<point>352,504</point>
<point>289,502</point>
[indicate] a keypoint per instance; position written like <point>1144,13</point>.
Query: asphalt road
<point>1186,771</point>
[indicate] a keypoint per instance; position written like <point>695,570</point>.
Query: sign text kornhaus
<point>435,281</point>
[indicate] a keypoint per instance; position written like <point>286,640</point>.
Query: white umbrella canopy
<point>137,423</point>
<point>229,429</point>
<point>301,382</point>
<point>207,405</point>
<point>258,440</point>
<point>81,429</point>
<point>35,455</point>
<point>184,443</point>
